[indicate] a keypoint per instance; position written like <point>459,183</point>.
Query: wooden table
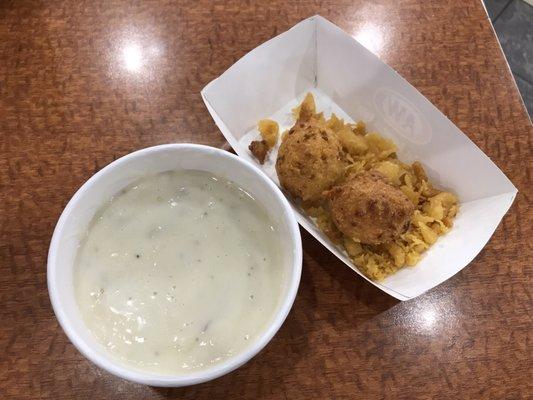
<point>83,82</point>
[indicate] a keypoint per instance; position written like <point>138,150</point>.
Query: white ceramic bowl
<point>98,189</point>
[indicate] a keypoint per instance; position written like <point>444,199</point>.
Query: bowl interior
<point>93,194</point>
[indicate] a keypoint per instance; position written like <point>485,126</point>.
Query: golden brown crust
<point>386,215</point>
<point>259,149</point>
<point>310,160</point>
<point>369,210</point>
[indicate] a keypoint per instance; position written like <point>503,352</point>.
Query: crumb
<point>259,149</point>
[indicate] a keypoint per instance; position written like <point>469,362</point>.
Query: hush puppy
<point>310,160</point>
<point>369,210</point>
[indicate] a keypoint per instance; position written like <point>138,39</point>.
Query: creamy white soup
<point>178,272</point>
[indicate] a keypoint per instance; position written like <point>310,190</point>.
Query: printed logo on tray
<point>403,116</point>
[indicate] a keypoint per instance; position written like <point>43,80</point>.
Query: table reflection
<point>430,315</point>
<point>132,57</point>
<point>371,37</point>
<point>135,56</point>
<point>428,318</point>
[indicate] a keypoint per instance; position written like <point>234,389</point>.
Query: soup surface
<point>179,271</point>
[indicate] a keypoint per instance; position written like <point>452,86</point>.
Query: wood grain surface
<point>70,103</point>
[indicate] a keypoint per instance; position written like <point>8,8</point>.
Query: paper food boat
<point>347,79</point>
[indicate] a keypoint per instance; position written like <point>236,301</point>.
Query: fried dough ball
<point>369,210</point>
<point>310,160</point>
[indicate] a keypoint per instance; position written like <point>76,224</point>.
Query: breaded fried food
<point>269,131</point>
<point>310,160</point>
<point>385,213</point>
<point>369,210</point>
<point>259,149</point>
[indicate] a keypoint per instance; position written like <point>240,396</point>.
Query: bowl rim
<point>116,368</point>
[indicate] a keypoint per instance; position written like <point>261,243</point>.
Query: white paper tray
<point>347,79</point>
